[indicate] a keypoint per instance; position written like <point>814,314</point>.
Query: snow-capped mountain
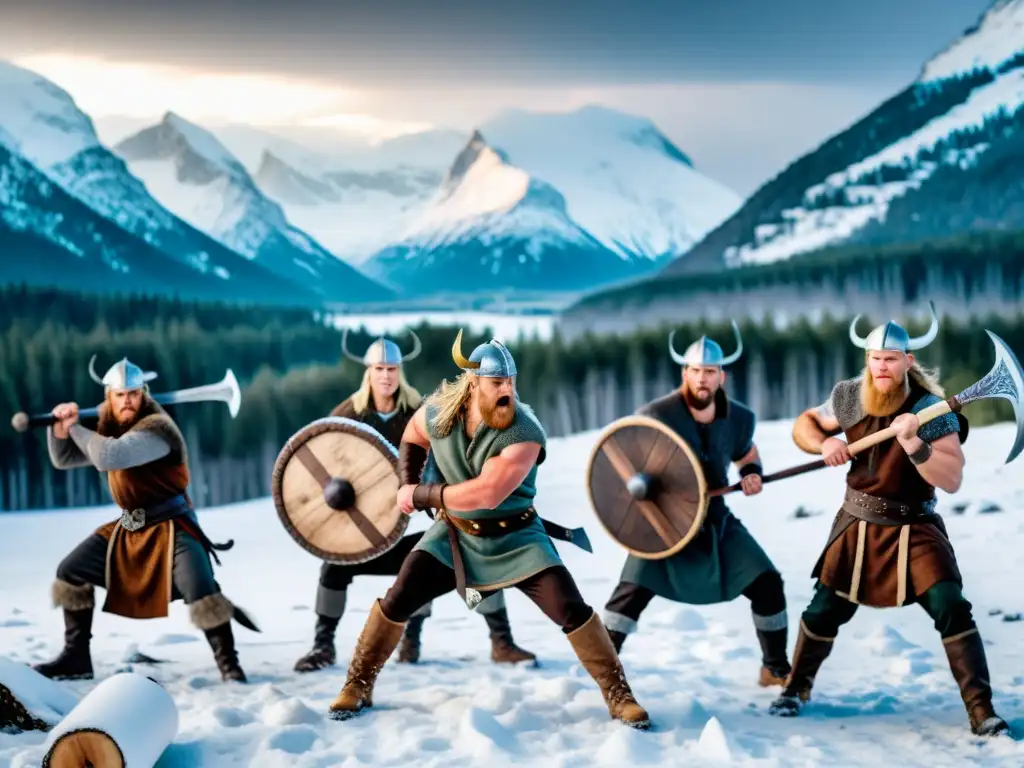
<point>194,175</point>
<point>43,128</point>
<point>493,227</point>
<point>558,201</point>
<point>49,237</point>
<point>355,200</point>
<point>940,158</point>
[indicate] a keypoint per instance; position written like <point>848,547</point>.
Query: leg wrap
<point>211,611</point>
<point>330,602</point>
<point>72,597</point>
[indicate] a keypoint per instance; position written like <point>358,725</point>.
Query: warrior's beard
<point>114,422</point>
<point>878,403</point>
<point>696,400</point>
<point>499,412</point>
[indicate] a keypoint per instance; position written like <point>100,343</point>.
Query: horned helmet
<point>382,351</point>
<point>893,337</point>
<point>705,351</point>
<point>122,376</point>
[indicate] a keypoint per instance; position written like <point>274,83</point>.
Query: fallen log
<point>126,720</point>
<point>29,701</point>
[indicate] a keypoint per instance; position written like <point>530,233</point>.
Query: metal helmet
<point>705,351</point>
<point>491,359</point>
<point>893,336</point>
<point>122,375</point>
<point>382,351</point>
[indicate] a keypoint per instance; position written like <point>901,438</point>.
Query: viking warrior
<point>723,561</point>
<point>888,547</point>
<point>487,445</point>
<point>386,401</point>
<point>155,552</point>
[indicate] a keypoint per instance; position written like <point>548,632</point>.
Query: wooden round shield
<point>647,487</point>
<point>335,487</point>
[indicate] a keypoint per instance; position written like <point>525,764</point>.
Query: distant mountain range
<point>191,173</point>
<point>545,203</point>
<point>73,216</point>
<point>941,159</point>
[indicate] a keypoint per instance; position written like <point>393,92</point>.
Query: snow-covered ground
<point>885,697</point>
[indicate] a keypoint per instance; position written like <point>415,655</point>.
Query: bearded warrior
<point>386,401</point>
<point>888,546</point>
<point>487,536</point>
<point>723,561</point>
<point>155,552</point>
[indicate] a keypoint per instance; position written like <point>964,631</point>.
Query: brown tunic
<point>890,563</point>
<point>139,563</point>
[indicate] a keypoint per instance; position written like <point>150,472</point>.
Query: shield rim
<point>637,420</point>
<point>319,427</point>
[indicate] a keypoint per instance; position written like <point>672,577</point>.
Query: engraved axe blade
<point>1005,380</point>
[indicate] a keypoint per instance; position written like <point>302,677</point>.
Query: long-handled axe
<point>1005,380</point>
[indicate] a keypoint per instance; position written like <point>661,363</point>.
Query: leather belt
<point>493,527</point>
<point>875,509</point>
<point>175,508</point>
<point>138,518</point>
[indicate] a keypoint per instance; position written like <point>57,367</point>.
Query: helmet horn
<point>739,346</point>
<point>417,347</point>
<point>92,371</point>
<point>458,357</point>
<point>930,334</point>
<point>345,351</point>
<point>679,359</point>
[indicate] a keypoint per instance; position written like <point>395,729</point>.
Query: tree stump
<point>126,720</point>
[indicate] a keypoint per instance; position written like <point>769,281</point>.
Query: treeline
<point>291,371</point>
<point>965,261</point>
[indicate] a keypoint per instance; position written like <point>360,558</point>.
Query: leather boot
<point>503,648</point>
<point>775,666</point>
<point>375,645</point>
<point>811,651</point>
<point>594,649</point>
<point>75,661</point>
<point>323,654</point>
<point>966,654</point>
<point>222,641</point>
<point>409,650</point>
<point>14,718</point>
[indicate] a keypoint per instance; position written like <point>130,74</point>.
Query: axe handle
<point>923,416</point>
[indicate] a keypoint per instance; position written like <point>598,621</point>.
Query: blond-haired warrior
<point>487,445</point>
<point>386,401</point>
<point>888,546</point>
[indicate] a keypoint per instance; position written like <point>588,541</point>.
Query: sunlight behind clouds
<point>105,88</point>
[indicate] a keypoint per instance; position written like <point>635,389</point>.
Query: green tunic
<point>723,559</point>
<point>501,561</point>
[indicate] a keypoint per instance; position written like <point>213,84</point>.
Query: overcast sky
<point>743,86</point>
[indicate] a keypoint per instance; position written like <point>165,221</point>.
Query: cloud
<point>739,133</point>
<point>141,90</point>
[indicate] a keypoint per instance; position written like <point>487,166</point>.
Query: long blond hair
<point>450,400</point>
<point>406,396</point>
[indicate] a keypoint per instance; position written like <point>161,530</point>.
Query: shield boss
<point>647,487</point>
<point>335,486</point>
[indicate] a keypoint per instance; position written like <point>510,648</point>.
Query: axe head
<point>1006,380</point>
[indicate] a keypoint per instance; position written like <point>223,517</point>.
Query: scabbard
<point>470,597</point>
<point>575,536</point>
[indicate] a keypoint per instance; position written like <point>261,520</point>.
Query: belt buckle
<point>133,520</point>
